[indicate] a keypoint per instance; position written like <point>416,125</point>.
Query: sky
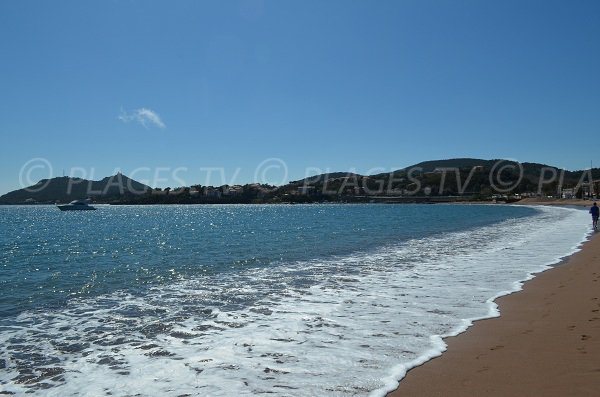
<point>176,93</point>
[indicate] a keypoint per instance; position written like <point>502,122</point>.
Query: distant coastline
<point>441,181</point>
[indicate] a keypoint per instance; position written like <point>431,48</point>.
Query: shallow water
<point>244,300</point>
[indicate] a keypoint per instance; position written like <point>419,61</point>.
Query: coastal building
<point>568,193</point>
<point>159,192</point>
<point>180,190</point>
<point>262,193</point>
<point>212,192</point>
<point>233,191</point>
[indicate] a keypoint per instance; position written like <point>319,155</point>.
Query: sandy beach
<point>554,201</point>
<point>546,342</point>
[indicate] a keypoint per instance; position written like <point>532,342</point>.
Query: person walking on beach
<point>595,211</point>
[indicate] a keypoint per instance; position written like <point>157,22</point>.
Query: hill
<point>325,177</point>
<point>432,165</point>
<point>435,180</point>
<point>65,189</point>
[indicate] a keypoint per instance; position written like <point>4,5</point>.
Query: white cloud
<point>143,116</point>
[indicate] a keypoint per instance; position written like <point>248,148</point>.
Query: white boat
<point>76,205</point>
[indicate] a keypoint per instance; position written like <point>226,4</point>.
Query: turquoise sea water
<point>245,300</point>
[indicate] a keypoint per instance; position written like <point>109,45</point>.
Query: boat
<point>76,205</point>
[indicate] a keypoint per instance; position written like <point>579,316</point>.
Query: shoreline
<point>546,341</point>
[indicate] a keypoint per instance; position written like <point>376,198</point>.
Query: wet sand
<point>546,342</point>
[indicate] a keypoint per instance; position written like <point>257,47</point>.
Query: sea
<point>245,300</point>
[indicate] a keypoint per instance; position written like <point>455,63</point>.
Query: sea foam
<point>342,326</point>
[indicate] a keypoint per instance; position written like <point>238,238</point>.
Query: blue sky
<point>176,92</point>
